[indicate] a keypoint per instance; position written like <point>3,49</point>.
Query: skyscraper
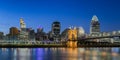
<point>56,30</point>
<point>23,32</point>
<point>22,25</point>
<point>95,26</point>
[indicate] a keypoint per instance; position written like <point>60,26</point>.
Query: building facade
<point>23,33</point>
<point>1,35</point>
<point>31,33</point>
<point>94,26</point>
<point>41,35</point>
<point>64,34</point>
<point>80,32</point>
<point>56,30</point>
<point>13,33</point>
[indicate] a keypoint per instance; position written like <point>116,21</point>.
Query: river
<point>60,53</point>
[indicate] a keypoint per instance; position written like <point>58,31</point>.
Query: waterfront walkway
<point>34,44</point>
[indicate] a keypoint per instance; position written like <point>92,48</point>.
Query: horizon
<point>69,13</point>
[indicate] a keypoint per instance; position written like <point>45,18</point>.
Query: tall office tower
<point>22,25</point>
<point>95,25</point>
<point>23,32</point>
<point>56,30</point>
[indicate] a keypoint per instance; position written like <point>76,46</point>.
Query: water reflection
<point>59,53</point>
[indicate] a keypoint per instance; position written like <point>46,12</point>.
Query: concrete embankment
<point>29,46</point>
<point>50,46</point>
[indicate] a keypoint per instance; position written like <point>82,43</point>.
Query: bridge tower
<point>72,37</point>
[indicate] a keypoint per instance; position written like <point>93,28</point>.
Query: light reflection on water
<point>59,53</point>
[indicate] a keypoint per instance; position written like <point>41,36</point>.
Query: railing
<point>105,36</point>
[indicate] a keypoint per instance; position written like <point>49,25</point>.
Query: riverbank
<point>50,46</point>
<point>30,46</point>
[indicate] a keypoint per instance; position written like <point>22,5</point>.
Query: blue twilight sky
<point>69,12</point>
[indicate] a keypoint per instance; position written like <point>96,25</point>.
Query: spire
<point>94,18</point>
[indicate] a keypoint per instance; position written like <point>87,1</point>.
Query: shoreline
<point>54,46</point>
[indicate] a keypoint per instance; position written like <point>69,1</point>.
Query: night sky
<point>41,13</point>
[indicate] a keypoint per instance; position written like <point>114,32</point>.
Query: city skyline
<point>70,13</point>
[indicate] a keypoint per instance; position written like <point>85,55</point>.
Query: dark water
<point>59,53</point>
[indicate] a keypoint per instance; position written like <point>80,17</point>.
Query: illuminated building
<point>23,33</point>
<point>80,32</point>
<point>56,30</point>
<point>95,26</point>
<point>22,25</point>
<point>14,32</point>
